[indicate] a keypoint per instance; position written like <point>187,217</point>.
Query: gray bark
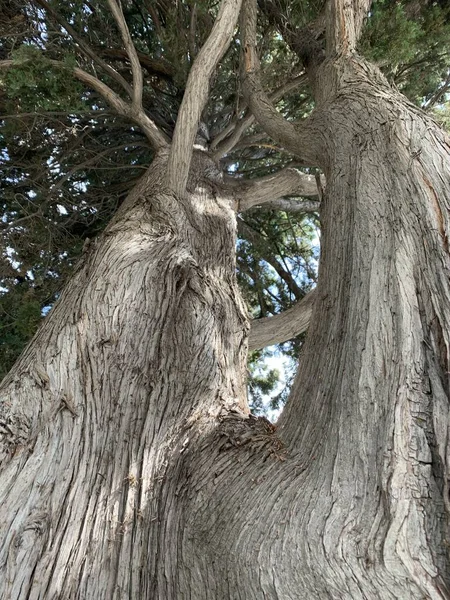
<point>146,347</point>
<point>372,390</point>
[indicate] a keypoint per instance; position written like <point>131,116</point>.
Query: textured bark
<point>146,347</point>
<point>372,391</point>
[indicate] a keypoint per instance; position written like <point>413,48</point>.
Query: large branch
<point>154,66</point>
<point>196,94</point>
<point>234,132</point>
<point>299,138</point>
<point>283,327</point>
<point>294,205</point>
<point>266,189</point>
<point>138,116</point>
<point>345,20</point>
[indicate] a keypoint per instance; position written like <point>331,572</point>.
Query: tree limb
<point>238,129</point>
<point>293,205</point>
<point>196,94</point>
<point>138,82</point>
<point>159,66</point>
<point>84,47</point>
<point>345,19</point>
<point>299,138</point>
<point>283,327</point>
<point>266,189</point>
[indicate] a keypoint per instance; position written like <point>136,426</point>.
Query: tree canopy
<point>69,160</point>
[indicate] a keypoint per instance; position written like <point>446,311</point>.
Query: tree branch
<point>135,114</point>
<point>138,83</point>
<point>266,189</point>
<point>84,47</point>
<point>238,129</point>
<point>196,94</point>
<point>293,205</point>
<point>296,138</point>
<point>283,327</point>
<point>345,19</point>
<point>159,66</point>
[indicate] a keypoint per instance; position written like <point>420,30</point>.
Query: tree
<point>130,464</point>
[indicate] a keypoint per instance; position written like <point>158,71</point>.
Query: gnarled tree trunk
<point>369,412</point>
<point>146,347</point>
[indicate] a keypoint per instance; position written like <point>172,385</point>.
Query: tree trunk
<point>146,347</point>
<point>131,468</point>
<point>369,412</point>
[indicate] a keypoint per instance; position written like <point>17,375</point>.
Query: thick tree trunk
<point>369,412</point>
<point>131,468</point>
<point>146,347</point>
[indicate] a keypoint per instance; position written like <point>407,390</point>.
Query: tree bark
<point>372,392</point>
<point>146,348</point>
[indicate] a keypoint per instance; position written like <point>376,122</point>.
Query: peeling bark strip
<point>344,24</point>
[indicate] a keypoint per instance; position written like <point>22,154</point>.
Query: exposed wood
<point>344,24</point>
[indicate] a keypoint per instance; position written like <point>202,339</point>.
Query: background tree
<point>126,448</point>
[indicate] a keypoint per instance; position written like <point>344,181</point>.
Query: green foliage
<point>410,40</point>
<point>20,314</point>
<point>34,83</point>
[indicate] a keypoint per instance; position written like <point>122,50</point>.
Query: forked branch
<point>283,327</point>
<point>233,134</point>
<point>196,94</point>
<point>298,138</point>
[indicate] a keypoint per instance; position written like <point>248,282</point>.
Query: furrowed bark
<point>372,388</point>
<point>135,363</point>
